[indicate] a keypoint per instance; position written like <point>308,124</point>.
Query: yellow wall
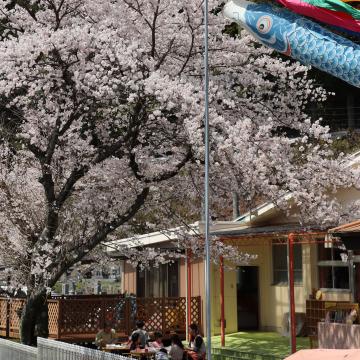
<point>230,300</point>
<point>273,299</point>
<point>129,279</point>
<point>197,283</point>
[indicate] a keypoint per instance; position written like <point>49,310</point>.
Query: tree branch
<point>165,176</point>
<point>99,236</point>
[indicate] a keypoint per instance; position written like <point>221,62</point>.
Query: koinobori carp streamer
<point>298,37</point>
<point>332,12</point>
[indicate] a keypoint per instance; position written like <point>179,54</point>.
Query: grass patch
<point>267,343</point>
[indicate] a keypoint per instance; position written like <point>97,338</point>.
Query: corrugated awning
<point>349,234</point>
<point>346,228</point>
<point>283,229</point>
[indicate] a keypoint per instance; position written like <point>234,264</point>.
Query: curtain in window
<point>280,267</point>
<point>158,282</point>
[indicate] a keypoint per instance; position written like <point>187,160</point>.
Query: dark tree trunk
<point>236,205</point>
<point>34,318</point>
<point>350,110</point>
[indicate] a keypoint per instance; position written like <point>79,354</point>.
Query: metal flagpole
<point>187,296</point>
<point>207,161</point>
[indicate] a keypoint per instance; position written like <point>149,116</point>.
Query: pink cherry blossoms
<point>102,128</point>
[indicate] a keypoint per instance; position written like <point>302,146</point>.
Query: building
<point>256,295</point>
<point>97,280</point>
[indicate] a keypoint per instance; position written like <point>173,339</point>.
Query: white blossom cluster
<point>101,129</point>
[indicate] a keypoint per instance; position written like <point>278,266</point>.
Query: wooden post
<point>163,315</point>
<point>291,238</point>
<point>60,318</point>
<point>351,274</point>
<point>102,313</point>
<point>222,302</point>
<point>189,286</point>
<point>127,315</point>
<point>7,318</point>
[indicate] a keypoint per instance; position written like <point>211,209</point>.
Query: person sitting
<point>197,350</point>
<point>144,337</point>
<point>157,344</point>
<point>177,348</point>
<point>135,341</point>
<point>162,355</point>
<point>105,336</point>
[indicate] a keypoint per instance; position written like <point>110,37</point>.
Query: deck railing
<point>56,350</point>
<point>51,350</point>
<point>10,350</point>
<point>79,318</point>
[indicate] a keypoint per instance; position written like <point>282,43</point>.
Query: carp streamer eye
<point>264,24</point>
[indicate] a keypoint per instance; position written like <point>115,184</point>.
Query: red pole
<point>291,238</point>
<point>189,286</point>
<point>222,301</point>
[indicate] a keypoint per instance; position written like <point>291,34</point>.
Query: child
<point>157,344</point>
<point>197,350</point>
<point>162,355</point>
<point>144,337</point>
<point>177,348</point>
<point>135,341</point>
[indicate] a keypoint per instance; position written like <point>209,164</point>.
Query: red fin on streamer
<point>338,19</point>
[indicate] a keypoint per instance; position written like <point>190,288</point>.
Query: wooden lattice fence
<point>15,306</point>
<point>79,318</point>
<point>3,317</point>
<point>168,314</point>
<point>53,313</point>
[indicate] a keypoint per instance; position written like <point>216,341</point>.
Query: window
<point>280,266</point>
<point>158,282</point>
<point>333,272</point>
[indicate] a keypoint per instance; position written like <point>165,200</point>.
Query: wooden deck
<point>79,318</point>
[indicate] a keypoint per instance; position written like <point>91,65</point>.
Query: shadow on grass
<point>268,343</point>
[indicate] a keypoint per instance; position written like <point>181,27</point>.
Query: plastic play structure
<point>299,37</point>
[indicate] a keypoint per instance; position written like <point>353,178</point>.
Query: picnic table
<point>118,348</point>
<point>125,349</point>
<point>141,353</point>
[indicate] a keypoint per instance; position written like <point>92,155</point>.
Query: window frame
<point>156,284</point>
<point>332,264</point>
<point>285,270</point>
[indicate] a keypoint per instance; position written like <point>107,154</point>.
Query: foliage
<point>104,102</point>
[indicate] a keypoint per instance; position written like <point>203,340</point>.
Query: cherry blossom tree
<point>101,129</point>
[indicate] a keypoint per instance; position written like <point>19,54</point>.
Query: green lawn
<point>267,343</point>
